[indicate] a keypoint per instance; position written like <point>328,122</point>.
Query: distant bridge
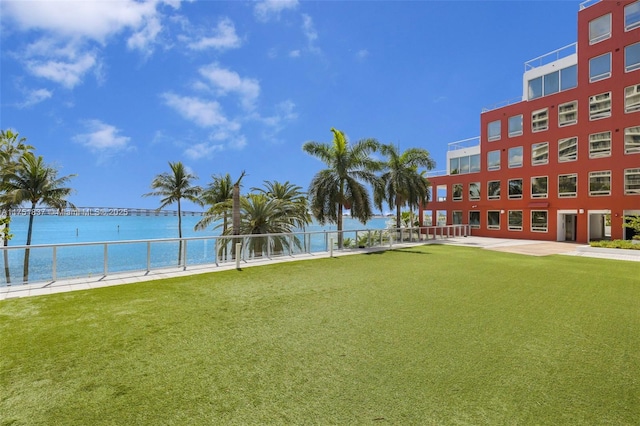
<point>96,211</point>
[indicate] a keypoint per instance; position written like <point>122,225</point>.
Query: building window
<point>493,190</point>
<point>539,187</point>
<point>600,145</point>
<point>515,157</point>
<point>493,219</point>
<point>568,113</point>
<point>474,219</point>
<point>535,88</point>
<point>600,67</point>
<point>493,131</point>
<point>493,160</point>
<point>632,140</point>
<point>457,192</point>
<point>515,220</point>
<point>454,166</point>
<point>552,83</point>
<point>567,185</point>
<point>632,182</point>
<point>539,222</point>
<point>474,163</point>
<point>540,120</point>
<point>569,77</point>
<point>632,16</point>
<point>566,78</point>
<point>539,153</point>
<point>567,149</point>
<point>632,57</point>
<point>515,189</point>
<point>632,98</point>
<point>457,217</point>
<point>600,29</point>
<point>464,165</point>
<point>600,106</point>
<point>474,191</point>
<point>515,125</point>
<point>600,183</point>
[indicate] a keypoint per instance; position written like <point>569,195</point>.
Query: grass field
<point>431,335</point>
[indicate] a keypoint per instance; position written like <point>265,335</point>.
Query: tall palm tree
<point>295,201</point>
<point>342,184</point>
<point>12,148</point>
<point>175,186</point>
<point>402,183</point>
<point>37,183</point>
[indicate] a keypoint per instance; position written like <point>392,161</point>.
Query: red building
<point>563,162</point>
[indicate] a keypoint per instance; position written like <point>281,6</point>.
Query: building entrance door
<point>570,227</point>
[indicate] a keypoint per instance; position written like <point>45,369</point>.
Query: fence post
<point>106,258</point>
<point>54,266</point>
<point>184,255</point>
<point>148,256</point>
<point>238,252</point>
<point>331,248</point>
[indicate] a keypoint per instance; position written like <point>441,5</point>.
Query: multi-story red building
<point>563,162</point>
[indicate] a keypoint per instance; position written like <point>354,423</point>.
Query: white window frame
<point>454,197</point>
<point>596,175</point>
<point>515,164</point>
<point>605,35</point>
<point>540,120</point>
<point>628,8</point>
<point>519,125</point>
<point>632,67</point>
<point>567,144</point>
<point>632,98</point>
<point>515,196</point>
<point>473,226</point>
<point>494,197</point>
<point>472,196</point>
<point>601,76</point>
<point>546,194</point>
<point>568,194</point>
<point>493,227</point>
<point>489,166</point>
<point>595,140</point>
<point>540,162</point>
<point>632,188</point>
<point>544,228</point>
<point>568,109</point>
<point>497,136</point>
<point>600,106</point>
<point>632,140</point>
<point>514,227</point>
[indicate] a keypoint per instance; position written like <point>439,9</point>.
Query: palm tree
<point>402,184</point>
<point>341,184</point>
<point>35,182</point>
<point>295,201</point>
<point>12,148</point>
<point>174,187</point>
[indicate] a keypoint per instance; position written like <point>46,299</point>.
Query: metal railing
<point>552,56</point>
<point>53,262</point>
<point>464,143</point>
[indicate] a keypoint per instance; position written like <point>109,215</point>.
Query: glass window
<point>632,140</point>
<point>632,181</point>
<point>515,189</point>
<point>457,191</point>
<point>600,183</point>
<point>632,16</point>
<point>632,98</point>
<point>535,88</point>
<point>493,131</point>
<point>474,219</point>
<point>474,163</point>
<point>515,220</point>
<point>493,219</point>
<point>493,160</point>
<point>515,157</point>
<point>474,191</point>
<point>464,165</point>
<point>568,113</point>
<point>539,187</point>
<point>600,145</point>
<point>567,185</point>
<point>600,106</point>
<point>540,120</point>
<point>539,153</point>
<point>493,190</point>
<point>569,77</point>
<point>454,166</point>
<point>632,57</point>
<point>600,29</point>
<point>515,125</point>
<point>457,217</point>
<point>552,83</point>
<point>567,150</point>
<point>600,67</point>
<point>539,222</point>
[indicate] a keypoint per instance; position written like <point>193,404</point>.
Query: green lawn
<point>432,335</point>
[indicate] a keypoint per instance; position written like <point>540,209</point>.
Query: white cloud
<point>203,113</point>
<point>284,113</point>
<point>103,139</point>
<point>226,81</point>
<point>294,54</point>
<point>309,30</point>
<point>267,9</point>
<point>362,54</point>
<point>224,37</point>
<point>33,97</point>
<point>202,150</point>
<point>68,72</point>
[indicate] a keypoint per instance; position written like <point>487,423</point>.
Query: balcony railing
<point>465,143</point>
<point>550,57</point>
<point>587,3</point>
<point>502,104</point>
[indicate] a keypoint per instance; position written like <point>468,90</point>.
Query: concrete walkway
<point>524,247</point>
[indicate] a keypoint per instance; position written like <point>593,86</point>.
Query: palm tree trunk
<point>179,233</point>
<point>339,223</point>
<point>236,218</point>
<point>5,252</point>
<point>25,272</point>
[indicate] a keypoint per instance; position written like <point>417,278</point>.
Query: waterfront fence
<point>53,262</point>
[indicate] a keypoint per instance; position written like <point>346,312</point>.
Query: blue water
<point>89,260</point>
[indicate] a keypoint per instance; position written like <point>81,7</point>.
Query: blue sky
<point>113,90</point>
